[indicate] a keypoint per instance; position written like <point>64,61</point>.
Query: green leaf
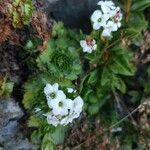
<point>47,143</point>
<point>34,122</point>
<point>136,96</point>
<point>59,135</point>
<point>36,137</point>
<point>92,98</point>
<point>122,66</point>
<point>32,44</point>
<point>132,32</point>
<point>8,88</point>
<point>93,109</point>
<point>137,21</point>
<point>106,76</point>
<point>24,15</point>
<point>140,5</point>
<point>93,76</point>
<point>119,84</point>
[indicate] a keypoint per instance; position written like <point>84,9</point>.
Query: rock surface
<point>11,138</point>
<point>74,13</point>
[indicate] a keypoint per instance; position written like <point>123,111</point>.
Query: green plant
<point>6,86</point>
<point>97,65</point>
<point>61,57</point>
<point>19,11</point>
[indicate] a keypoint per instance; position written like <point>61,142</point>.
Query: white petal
<point>100,2</point>
<point>76,115</point>
<point>57,111</point>
<point>48,89</point>
<point>114,27</point>
<point>55,87</point>
<point>64,121</point>
<point>106,33</point>
<point>60,95</point>
<point>68,103</point>
<point>70,119</point>
<point>49,103</point>
<point>64,112</point>
<point>83,43</point>
<point>105,17</point>
<point>54,103</point>
<point>87,49</point>
<point>52,120</point>
<point>79,101</point>
<point>109,3</point>
<point>96,15</point>
<point>119,24</point>
<point>105,9</point>
<point>78,104</point>
<point>96,25</point>
<point>70,90</point>
<point>94,47</point>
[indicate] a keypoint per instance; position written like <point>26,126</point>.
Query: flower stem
<point>127,9</point>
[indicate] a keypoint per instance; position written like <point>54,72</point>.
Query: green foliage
<point>139,5</point>
<point>101,75</point>
<point>6,87</point>
<point>61,57</point>
<point>36,99</point>
<point>20,12</point>
<point>47,143</point>
<point>107,77</point>
<point>33,98</point>
<point>59,135</point>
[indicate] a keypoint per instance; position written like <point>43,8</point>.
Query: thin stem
<point>114,125</point>
<point>127,9</point>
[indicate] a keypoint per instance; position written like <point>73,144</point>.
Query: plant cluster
<point>95,64</point>
<point>77,73</point>
<point>6,86</point>
<point>18,11</point>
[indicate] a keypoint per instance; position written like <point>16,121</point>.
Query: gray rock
<point>9,110</point>
<point>52,1</point>
<point>19,143</point>
<point>74,13</point>
<point>11,138</point>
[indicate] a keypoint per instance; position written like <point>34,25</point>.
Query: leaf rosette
<point>20,12</point>
<point>61,58</point>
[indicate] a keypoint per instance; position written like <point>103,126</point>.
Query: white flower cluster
<point>108,18</point>
<point>62,110</point>
<point>88,45</point>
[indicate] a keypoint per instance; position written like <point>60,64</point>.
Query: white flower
<point>52,92</point>
<point>51,119</point>
<point>74,112</point>
<point>61,105</point>
<point>117,17</point>
<point>98,19</point>
<point>88,45</point>
<point>96,16</point>
<point>68,119</point>
<point>108,18</point>
<point>109,27</point>
<point>77,104</point>
<point>62,110</point>
<point>70,90</point>
<point>106,6</point>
